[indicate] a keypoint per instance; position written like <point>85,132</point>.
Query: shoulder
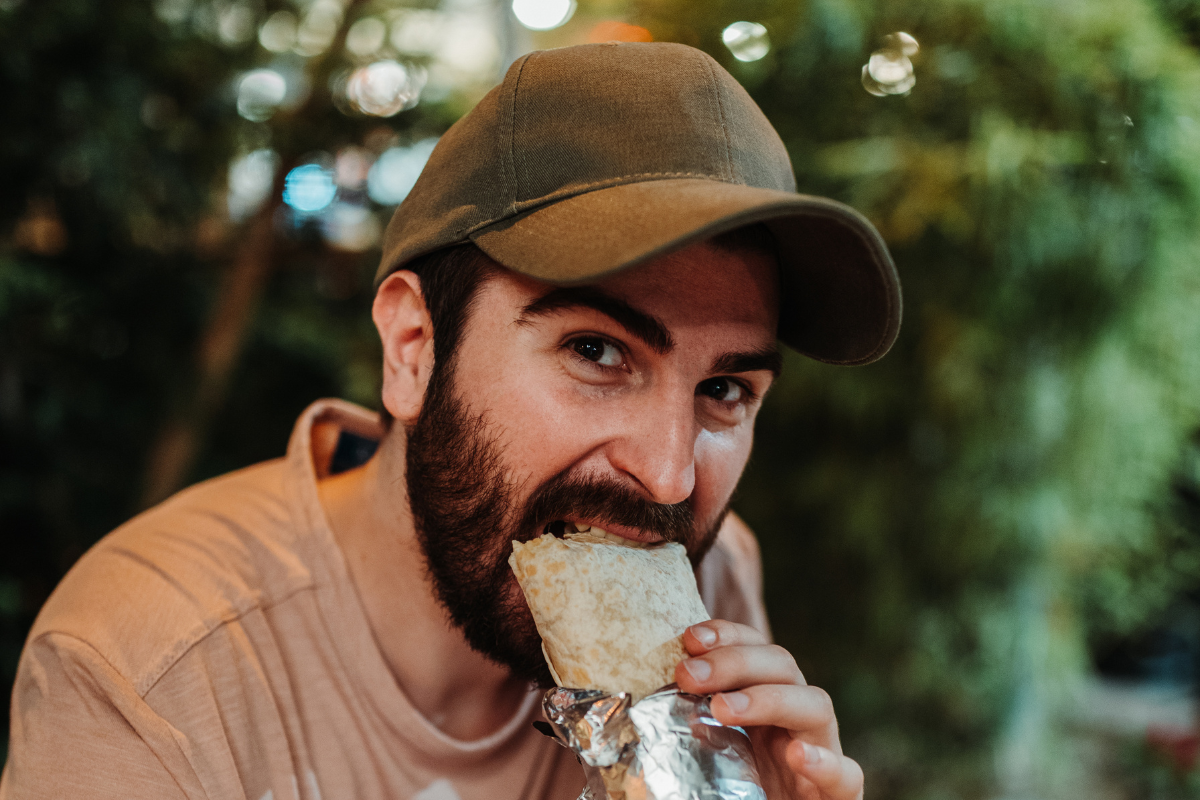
<point>147,592</point>
<point>730,576</point>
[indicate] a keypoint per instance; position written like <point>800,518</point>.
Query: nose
<point>658,447</point>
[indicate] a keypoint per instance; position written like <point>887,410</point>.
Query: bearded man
<point>579,305</point>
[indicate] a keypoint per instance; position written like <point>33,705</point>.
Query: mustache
<point>605,501</point>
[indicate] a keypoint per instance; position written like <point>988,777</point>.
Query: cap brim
<point>840,295</point>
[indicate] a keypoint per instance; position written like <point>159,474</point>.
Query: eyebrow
<point>768,358</point>
<point>644,326</point>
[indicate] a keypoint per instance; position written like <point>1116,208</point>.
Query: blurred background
<point>986,546</point>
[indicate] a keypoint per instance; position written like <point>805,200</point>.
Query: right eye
<point>598,351</point>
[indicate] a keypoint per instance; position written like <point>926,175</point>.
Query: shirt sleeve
<point>730,577</point>
<point>80,730</point>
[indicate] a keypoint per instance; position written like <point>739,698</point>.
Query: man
<point>578,305</point>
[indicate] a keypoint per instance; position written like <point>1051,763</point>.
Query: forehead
<point>704,282</point>
<point>703,285</point>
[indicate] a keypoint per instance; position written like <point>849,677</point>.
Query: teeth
<point>561,527</point>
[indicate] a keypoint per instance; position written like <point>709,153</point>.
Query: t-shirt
<point>215,647</point>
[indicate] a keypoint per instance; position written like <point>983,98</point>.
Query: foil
<point>667,746</point>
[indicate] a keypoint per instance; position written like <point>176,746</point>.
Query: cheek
<point>542,423</point>
<point>550,428</point>
<point>720,459</point>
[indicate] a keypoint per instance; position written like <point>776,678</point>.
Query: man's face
<point>626,405</point>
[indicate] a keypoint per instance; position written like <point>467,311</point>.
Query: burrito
<point>611,611</point>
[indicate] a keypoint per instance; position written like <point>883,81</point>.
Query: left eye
<point>598,351</point>
<point>722,389</point>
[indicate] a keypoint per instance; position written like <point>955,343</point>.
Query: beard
<point>467,514</point>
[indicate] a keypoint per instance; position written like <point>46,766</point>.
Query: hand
<point>791,724</point>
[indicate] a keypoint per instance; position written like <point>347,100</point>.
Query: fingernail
<point>705,636</point>
<point>812,755</point>
<point>698,668</point>
<point>737,702</point>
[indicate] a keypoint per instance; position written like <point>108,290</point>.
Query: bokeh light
<point>889,71</point>
<point>173,12</point>
<point>463,49</point>
<point>395,173</point>
<point>469,46</point>
<point>351,167</point>
<point>351,226</point>
<point>748,41</point>
<point>543,15</point>
<point>611,30</point>
<point>309,188</point>
<point>40,229</point>
<point>158,111</point>
<point>235,24</point>
<point>903,42</point>
<point>278,33</point>
<point>319,27</point>
<point>250,180</point>
<point>366,36</point>
<point>417,31</point>
<point>260,93</point>
<point>384,88</point>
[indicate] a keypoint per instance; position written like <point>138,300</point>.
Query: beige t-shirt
<point>215,647</point>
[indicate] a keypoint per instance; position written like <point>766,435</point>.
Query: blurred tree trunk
<point>177,445</point>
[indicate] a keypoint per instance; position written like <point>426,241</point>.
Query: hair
<point>450,280</point>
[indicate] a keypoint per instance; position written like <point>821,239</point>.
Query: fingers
<point>833,774</point>
<point>758,685</point>
<point>725,668</point>
<point>704,636</point>
<point>804,710</point>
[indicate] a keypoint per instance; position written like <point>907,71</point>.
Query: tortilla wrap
<point>611,612</point>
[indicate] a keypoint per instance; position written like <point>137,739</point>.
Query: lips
<point>561,527</point>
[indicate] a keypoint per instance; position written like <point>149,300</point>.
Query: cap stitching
<point>716,90</point>
<point>583,188</point>
<point>512,133</point>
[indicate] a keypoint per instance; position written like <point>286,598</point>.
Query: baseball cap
<point>591,159</point>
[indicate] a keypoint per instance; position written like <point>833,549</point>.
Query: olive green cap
<point>591,159</point>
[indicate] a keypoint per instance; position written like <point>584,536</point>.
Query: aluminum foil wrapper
<point>667,746</point>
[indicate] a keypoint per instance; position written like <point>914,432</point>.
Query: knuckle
<point>733,661</point>
<point>782,654</point>
<point>823,701</point>
<point>768,702</point>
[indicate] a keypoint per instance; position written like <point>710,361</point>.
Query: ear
<point>406,331</point>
